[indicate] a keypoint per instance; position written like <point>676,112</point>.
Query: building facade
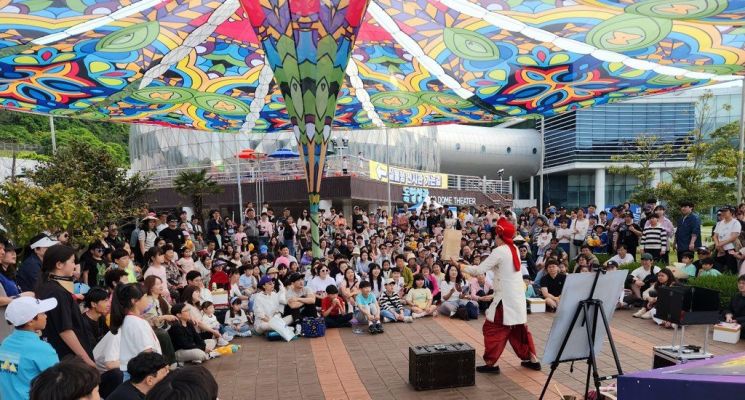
<point>580,145</point>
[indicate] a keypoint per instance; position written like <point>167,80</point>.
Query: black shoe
<point>372,329</point>
<point>488,369</point>
<point>534,365</point>
<point>379,327</point>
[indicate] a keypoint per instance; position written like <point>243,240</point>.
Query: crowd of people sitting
<point>128,312</point>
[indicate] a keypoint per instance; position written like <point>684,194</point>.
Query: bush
<point>726,284</point>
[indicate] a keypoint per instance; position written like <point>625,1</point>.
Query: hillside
<point>31,129</point>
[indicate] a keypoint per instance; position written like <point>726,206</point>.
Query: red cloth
<point>496,336</point>
<point>506,231</point>
<point>221,279</point>
<point>326,303</point>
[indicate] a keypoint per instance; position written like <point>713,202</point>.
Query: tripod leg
<point>595,375</point>
<point>612,343</point>
<point>550,375</point>
<point>555,364</point>
<point>592,366</point>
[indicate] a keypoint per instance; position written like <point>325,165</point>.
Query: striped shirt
<point>654,238</point>
<point>390,302</point>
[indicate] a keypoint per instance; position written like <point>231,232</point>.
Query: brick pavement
<point>345,365</point>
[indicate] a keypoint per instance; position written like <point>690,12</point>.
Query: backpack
<point>313,327</point>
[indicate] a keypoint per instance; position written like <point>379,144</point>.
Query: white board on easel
<point>577,288</point>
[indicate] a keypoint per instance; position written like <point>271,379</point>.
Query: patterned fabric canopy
<point>198,63</point>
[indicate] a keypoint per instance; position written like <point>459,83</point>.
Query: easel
<point>586,308</point>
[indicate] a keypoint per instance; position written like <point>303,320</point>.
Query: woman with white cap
<point>28,273</point>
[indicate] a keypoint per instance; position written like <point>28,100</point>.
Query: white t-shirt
<point>581,226</point>
<point>725,229</point>
<point>319,285</point>
<point>641,273</point>
<point>107,350</point>
<point>622,261</point>
<point>136,336</point>
<point>563,235</point>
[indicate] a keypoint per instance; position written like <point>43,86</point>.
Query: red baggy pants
<point>497,334</point>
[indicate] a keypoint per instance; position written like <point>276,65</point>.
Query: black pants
<point>338,321</point>
<point>299,313</point>
<point>483,305</point>
<point>656,256</point>
<point>726,263</point>
<point>109,381</point>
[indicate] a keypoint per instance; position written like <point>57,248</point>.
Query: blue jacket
<point>28,273</point>
<point>688,226</point>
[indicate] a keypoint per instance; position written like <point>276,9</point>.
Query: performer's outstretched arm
<point>490,262</point>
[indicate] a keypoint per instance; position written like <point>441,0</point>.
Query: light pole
<point>54,134</point>
<point>543,155</point>
<point>387,171</point>
<point>240,191</point>
<point>742,142</point>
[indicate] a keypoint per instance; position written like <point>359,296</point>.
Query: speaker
<point>687,305</point>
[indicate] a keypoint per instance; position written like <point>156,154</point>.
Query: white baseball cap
<point>43,242</point>
<point>25,308</point>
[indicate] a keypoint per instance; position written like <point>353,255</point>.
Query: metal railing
<point>268,170</point>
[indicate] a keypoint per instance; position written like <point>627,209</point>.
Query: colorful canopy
<point>198,63</point>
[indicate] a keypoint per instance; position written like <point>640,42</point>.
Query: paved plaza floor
<point>345,365</point>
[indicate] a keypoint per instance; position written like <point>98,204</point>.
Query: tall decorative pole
<point>308,44</point>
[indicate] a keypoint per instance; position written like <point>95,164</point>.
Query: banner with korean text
<point>402,176</point>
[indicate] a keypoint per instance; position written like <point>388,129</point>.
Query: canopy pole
<point>240,192</point>
<point>742,142</point>
<point>543,156</point>
<point>54,134</point>
<point>387,171</point>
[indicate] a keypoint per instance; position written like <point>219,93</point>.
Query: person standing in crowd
<point>28,273</point>
<point>172,233</point>
<point>506,319</point>
<point>654,238</point>
<point>23,355</point>
<point>579,229</point>
<point>688,234</point>
<point>629,234</point>
<point>726,232</point>
<point>65,329</point>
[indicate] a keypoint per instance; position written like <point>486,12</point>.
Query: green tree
<point>96,177</point>
<point>195,185</point>
<point>31,129</point>
<point>637,161</point>
<point>26,210</point>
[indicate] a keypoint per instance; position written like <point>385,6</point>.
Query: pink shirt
<point>160,272</point>
<point>475,287</point>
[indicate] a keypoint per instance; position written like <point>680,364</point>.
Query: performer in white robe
<point>506,318</point>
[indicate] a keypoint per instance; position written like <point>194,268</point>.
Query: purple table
<point>716,378</point>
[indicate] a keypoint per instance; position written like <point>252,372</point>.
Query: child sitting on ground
<point>210,319</point>
<point>189,346</point>
<point>368,309</point>
<point>236,321</point>
<point>707,268</point>
<point>391,307</point>
<point>419,299</point>
<point>333,309</point>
